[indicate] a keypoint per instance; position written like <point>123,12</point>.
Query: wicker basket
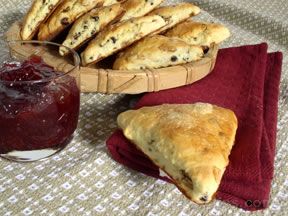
<point>127,82</point>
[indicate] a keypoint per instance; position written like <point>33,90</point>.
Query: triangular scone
<point>89,25</point>
<point>110,2</point>
<point>119,36</point>
<point>175,14</point>
<point>64,15</point>
<point>200,33</point>
<point>138,8</point>
<point>190,142</point>
<point>155,52</point>
<point>39,11</point>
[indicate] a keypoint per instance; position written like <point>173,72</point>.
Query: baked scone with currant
<point>38,13</point>
<point>157,51</point>
<point>191,143</point>
<point>200,33</point>
<point>89,25</point>
<point>138,8</point>
<point>120,36</point>
<point>64,15</point>
<point>175,14</point>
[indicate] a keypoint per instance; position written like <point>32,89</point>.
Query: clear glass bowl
<point>39,99</point>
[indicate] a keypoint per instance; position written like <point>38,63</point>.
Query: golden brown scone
<point>138,8</point>
<point>175,14</point>
<point>39,11</point>
<point>119,36</point>
<point>190,142</point>
<point>64,15</point>
<point>200,33</point>
<point>110,2</point>
<point>155,52</point>
<point>89,24</point>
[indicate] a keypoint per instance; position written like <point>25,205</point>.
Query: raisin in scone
<point>119,36</point>
<point>138,8</point>
<point>64,15</point>
<point>37,14</point>
<point>190,142</point>
<point>90,24</point>
<point>155,52</point>
<point>200,33</point>
<point>175,14</point>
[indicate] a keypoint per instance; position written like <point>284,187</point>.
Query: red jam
<point>38,108</point>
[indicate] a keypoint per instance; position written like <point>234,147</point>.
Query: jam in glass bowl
<point>39,99</point>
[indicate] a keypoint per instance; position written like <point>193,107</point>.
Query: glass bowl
<point>39,99</point>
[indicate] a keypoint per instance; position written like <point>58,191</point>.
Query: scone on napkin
<point>246,80</point>
<point>190,142</point>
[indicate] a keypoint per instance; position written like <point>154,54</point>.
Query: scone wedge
<point>138,8</point>
<point>155,52</point>
<point>119,36</point>
<point>190,142</point>
<point>175,14</point>
<point>89,25</point>
<point>110,2</point>
<point>65,14</point>
<point>39,11</point>
<point>200,33</point>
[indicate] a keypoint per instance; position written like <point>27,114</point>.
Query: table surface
<point>84,180</point>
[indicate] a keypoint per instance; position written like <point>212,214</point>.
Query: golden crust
<point>110,2</point>
<point>119,36</point>
<point>89,25</point>
<point>138,8</point>
<point>67,12</point>
<point>38,13</point>
<point>155,52</point>
<point>190,142</point>
<point>200,33</point>
<point>175,14</point>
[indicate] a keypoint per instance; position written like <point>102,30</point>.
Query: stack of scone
<point>142,33</point>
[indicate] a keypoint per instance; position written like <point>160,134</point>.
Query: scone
<point>190,142</point>
<point>138,8</point>
<point>37,14</point>
<point>119,36</point>
<point>90,24</point>
<point>155,52</point>
<point>110,2</point>
<point>67,12</point>
<point>199,33</point>
<point>175,14</point>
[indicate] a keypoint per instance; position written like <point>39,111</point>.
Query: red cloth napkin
<point>246,80</point>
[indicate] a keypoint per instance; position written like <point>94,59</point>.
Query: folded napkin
<point>246,80</point>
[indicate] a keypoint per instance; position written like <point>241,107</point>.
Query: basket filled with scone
<point>126,46</point>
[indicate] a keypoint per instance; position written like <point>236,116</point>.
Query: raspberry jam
<point>39,109</point>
